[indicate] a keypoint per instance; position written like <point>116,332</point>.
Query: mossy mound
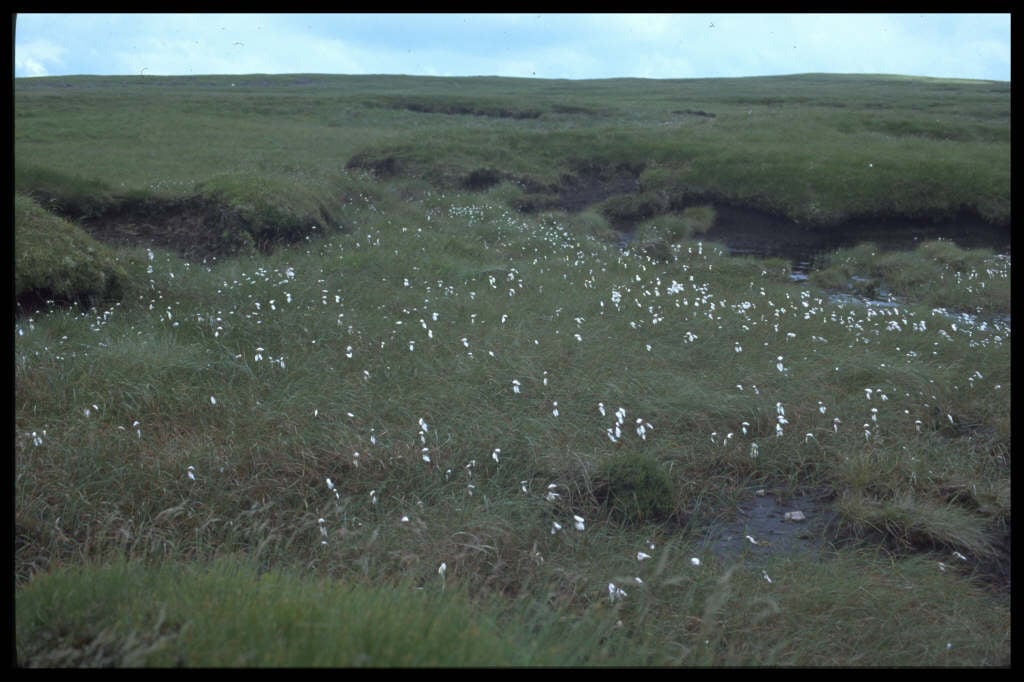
<point>634,488</point>
<point>55,260</point>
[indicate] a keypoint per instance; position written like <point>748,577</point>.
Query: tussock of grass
<point>57,260</point>
<point>937,273</point>
<point>70,194</point>
<point>591,223</point>
<point>635,488</point>
<point>912,522</point>
<point>702,218</point>
<point>655,236</point>
<point>267,211</point>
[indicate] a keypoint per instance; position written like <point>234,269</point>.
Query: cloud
<point>38,58</point>
<point>575,46</point>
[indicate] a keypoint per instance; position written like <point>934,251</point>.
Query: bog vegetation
<point>355,371</point>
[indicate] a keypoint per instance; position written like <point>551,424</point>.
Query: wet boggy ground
<point>767,523</point>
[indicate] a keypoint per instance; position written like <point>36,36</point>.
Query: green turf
<point>439,431</point>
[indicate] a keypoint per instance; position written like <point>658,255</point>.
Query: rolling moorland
<point>469,362</point>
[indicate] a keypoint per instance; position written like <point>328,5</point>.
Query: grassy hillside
<point>818,148</point>
<point>349,406</point>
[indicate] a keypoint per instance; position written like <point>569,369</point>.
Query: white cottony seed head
<point>615,593</point>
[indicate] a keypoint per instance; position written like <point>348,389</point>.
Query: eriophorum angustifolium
<point>461,376</point>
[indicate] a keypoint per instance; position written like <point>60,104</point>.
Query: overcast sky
<point>574,46</point>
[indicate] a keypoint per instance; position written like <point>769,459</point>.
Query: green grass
<point>56,260</point>
<point>133,615</point>
<point>937,273</point>
<point>290,409</point>
<point>228,614</point>
<point>457,371</point>
<point>817,148</point>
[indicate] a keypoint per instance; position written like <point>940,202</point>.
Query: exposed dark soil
<point>195,227</point>
<point>452,108</point>
<point>585,186</point>
<point>383,168</point>
<point>482,178</point>
<point>747,231</point>
<point>593,184</point>
<point>199,226</point>
<point>694,112</point>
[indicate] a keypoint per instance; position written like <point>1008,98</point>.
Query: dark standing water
<point>761,528</point>
<point>746,231</point>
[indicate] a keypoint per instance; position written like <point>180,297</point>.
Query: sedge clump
<point>634,488</point>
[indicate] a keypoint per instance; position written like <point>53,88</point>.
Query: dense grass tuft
<point>938,273</point>
<point>57,261</point>
<point>634,488</point>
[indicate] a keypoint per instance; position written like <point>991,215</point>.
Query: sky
<point>563,46</point>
